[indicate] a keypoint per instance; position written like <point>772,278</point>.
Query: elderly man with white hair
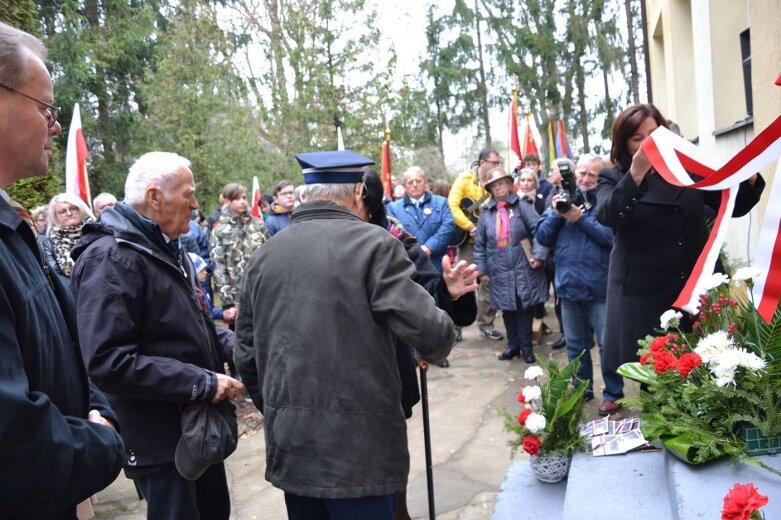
<point>148,339</point>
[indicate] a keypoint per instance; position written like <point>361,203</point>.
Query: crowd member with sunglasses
<point>58,432</point>
<point>67,216</point>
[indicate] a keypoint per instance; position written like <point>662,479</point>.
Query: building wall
<point>711,108</point>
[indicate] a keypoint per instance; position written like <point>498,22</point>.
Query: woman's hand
<point>460,279</point>
<point>641,165</point>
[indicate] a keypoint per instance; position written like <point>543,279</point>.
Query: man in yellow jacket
<point>465,199</point>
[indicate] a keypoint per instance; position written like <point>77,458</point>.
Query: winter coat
<point>277,219</point>
<point>581,252</point>
<point>321,362</point>
<point>659,233</point>
<point>431,223</point>
<point>466,185</point>
<point>233,239</point>
<point>148,339</point>
<point>512,278</point>
<point>52,457</point>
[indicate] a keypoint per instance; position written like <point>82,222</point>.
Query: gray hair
<point>15,47</point>
<point>334,192</point>
<point>413,170</point>
<point>590,157</point>
<point>103,196</point>
<point>153,169</point>
<point>73,200</point>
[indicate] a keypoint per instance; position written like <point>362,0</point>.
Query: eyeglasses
<point>52,112</point>
<point>70,210</point>
<point>494,163</point>
<point>286,193</point>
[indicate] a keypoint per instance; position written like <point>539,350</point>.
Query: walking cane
<point>427,439</point>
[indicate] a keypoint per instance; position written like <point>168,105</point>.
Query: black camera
<point>568,193</point>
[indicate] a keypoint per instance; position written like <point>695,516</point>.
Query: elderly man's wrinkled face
<point>174,215</point>
<point>415,184</point>
<point>586,175</point>
<point>26,138</point>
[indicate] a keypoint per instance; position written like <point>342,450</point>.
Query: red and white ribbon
<point>673,157</point>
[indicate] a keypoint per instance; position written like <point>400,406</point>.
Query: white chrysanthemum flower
<point>751,361</point>
<point>670,318</point>
<point>531,392</point>
<point>729,359</point>
<point>713,345</point>
<point>535,422</point>
<point>726,379</point>
<point>715,280</point>
<point>533,372</point>
<point>746,273</point>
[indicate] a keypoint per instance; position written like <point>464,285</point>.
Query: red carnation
<point>688,362</point>
<point>741,501</point>
<point>658,344</point>
<point>645,358</point>
<point>521,398</point>
<point>523,415</point>
<point>531,445</point>
<point>664,361</point>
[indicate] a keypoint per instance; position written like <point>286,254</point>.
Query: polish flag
<point>255,209</point>
<point>531,137</point>
<point>386,165</point>
<point>514,157</point>
<point>76,180</point>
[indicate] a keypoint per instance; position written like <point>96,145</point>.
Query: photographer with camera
<point>581,251</point>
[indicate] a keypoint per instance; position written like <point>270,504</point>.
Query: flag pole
<point>386,166</point>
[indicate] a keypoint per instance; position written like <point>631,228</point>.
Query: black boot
<point>561,343</point>
<point>528,356</point>
<point>509,354</point>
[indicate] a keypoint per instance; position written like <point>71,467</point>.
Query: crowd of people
<point>116,326</point>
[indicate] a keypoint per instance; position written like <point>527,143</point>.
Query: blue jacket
<point>276,222</point>
<point>512,278</point>
<point>581,252</point>
<point>196,241</point>
<point>431,224</point>
<point>52,457</point>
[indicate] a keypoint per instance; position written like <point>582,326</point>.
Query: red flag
<point>561,141</point>
<point>76,180</point>
<point>514,156</point>
<point>530,136</point>
<point>255,209</point>
<point>386,166</point>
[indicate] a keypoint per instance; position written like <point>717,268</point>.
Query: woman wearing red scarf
<point>506,253</point>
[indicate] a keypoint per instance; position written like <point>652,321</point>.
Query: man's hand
<point>574,214</point>
<point>95,417</point>
<point>472,231</point>
<point>228,388</point>
<point>229,314</point>
<point>536,264</point>
<point>459,279</point>
<point>426,250</point>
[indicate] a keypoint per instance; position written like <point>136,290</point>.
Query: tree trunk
<point>632,51</point>
<point>482,87</point>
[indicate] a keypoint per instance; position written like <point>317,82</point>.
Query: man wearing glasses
<point>59,440</point>
<point>465,199</point>
<point>282,207</point>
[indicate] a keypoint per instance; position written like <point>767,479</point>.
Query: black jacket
<point>659,233</point>
<point>146,333</point>
<point>51,457</point>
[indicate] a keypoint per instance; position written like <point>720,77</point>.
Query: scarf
<point>63,239</point>
<point>502,226</point>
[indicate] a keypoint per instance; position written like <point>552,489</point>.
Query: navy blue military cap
<point>339,167</point>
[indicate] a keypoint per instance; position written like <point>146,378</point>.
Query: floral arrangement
<point>705,384</point>
<point>552,409</point>
<point>743,502</point>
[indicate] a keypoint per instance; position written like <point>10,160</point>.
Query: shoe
<point>560,343</point>
<point>546,331</point>
<point>442,364</point>
<point>509,354</point>
<point>608,408</point>
<point>492,333</point>
<point>529,358</point>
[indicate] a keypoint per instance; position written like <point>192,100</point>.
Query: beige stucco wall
<point>728,19</point>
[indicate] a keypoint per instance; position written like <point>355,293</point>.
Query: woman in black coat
<point>659,231</point>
